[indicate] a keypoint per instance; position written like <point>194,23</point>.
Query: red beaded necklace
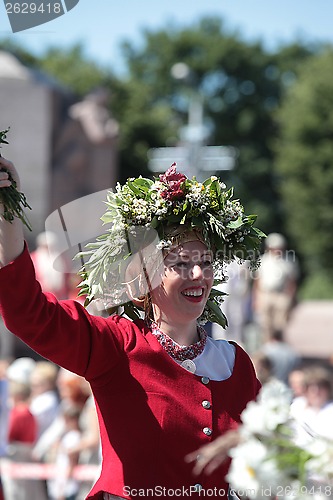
<point>180,352</point>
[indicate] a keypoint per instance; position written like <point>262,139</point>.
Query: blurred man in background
<point>274,286</point>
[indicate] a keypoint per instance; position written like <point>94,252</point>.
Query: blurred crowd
<point>48,416</point>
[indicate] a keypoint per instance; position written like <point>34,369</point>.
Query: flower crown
<point>163,204</point>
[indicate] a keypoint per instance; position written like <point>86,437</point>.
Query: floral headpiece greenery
<point>167,202</point>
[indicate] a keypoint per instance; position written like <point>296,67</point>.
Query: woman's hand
<point>7,169</point>
<point>13,201</point>
<point>11,233</point>
<point>4,177</point>
<point>209,457</point>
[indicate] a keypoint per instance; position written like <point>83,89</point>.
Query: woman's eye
<point>207,263</point>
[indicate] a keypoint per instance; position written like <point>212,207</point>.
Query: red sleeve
<point>62,331</point>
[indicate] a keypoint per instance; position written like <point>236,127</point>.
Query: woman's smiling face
<point>186,284</point>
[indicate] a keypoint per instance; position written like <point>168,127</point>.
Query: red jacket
<point>150,410</point>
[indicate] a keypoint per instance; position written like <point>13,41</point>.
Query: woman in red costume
<point>162,387</point>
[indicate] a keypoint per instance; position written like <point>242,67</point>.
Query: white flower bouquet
<point>268,463</point>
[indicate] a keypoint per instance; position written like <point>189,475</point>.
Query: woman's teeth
<point>193,293</point>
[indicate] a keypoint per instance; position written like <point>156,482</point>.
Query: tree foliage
<point>73,69</point>
<point>241,86</point>
<point>304,163</point>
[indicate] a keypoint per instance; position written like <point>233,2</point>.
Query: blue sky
<point>101,25</point>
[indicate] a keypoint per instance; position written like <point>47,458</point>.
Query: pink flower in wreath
<point>174,181</point>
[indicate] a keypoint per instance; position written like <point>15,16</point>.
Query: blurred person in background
<point>236,304</point>
<point>274,286</point>
<point>283,357</point>
<point>71,390</point>
<point>64,486</point>
<point>313,412</point>
<point>22,432</point>
<point>296,382</point>
<point>89,446</point>
<point>44,397</point>
<point>264,370</point>
<point>74,389</point>
<point>20,369</point>
<point>22,423</point>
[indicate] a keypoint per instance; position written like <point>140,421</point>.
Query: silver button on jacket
<point>205,380</point>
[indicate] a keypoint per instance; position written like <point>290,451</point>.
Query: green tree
<point>304,163</point>
<point>241,86</point>
<point>73,69</point>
